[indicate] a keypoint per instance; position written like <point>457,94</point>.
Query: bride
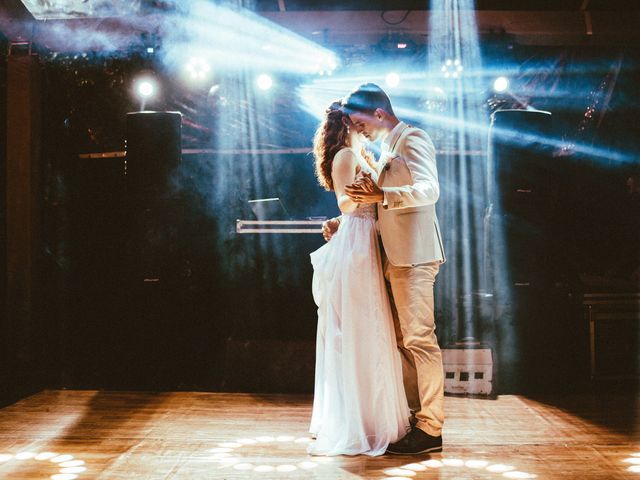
<point>359,404</point>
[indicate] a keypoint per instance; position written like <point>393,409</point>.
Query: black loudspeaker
<point>154,290</point>
<point>154,150</point>
<point>22,319</point>
<point>525,260</point>
<point>522,161</point>
<point>154,204</point>
<point>522,217</point>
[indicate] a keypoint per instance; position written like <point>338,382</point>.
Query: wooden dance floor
<point>113,435</point>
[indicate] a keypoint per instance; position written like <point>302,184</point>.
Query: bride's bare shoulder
<point>345,152</point>
<point>345,156</point>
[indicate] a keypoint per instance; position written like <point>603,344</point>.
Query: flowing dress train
<point>359,404</point>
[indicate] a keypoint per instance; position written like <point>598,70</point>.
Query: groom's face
<point>368,125</point>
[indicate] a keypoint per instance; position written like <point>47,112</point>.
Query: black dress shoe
<point>415,442</point>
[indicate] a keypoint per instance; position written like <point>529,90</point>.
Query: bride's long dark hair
<point>331,136</point>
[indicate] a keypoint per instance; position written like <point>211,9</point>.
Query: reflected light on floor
<point>634,460</point>
<point>264,469</point>
<point>410,469</point>
<point>64,476</point>
<point>323,459</point>
<point>45,455</point>
<point>227,455</point>
<point>220,455</point>
<point>416,467</point>
<point>247,441</point>
<point>286,468</point>
<point>220,450</point>
<point>500,468</point>
<point>68,466</point>
<point>73,470</point>
<point>25,455</point>
<point>62,458</point>
<point>399,472</point>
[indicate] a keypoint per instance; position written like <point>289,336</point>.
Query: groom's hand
<point>364,190</point>
<point>330,227</point>
<point>364,180</point>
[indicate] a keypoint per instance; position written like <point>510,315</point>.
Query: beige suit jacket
<point>407,219</point>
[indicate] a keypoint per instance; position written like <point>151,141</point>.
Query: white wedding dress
<point>359,404</point>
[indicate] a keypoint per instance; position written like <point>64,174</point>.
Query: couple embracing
<point>379,383</point>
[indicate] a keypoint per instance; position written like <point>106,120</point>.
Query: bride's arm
<point>343,173</point>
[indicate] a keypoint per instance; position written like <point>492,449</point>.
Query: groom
<point>406,196</point>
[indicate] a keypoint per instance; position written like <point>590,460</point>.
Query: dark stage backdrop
<point>230,311</point>
<point>3,208</point>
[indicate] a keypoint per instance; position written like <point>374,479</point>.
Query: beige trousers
<point>411,295</point>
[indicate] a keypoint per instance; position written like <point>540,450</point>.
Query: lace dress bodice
<point>364,211</point>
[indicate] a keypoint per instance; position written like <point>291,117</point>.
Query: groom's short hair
<point>366,99</point>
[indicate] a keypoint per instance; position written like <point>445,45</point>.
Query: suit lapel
<point>384,159</point>
<point>387,156</point>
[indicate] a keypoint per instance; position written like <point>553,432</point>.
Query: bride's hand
<point>330,227</point>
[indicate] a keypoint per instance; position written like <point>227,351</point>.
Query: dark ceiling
<point>529,5</point>
<point>15,8</point>
<point>540,22</point>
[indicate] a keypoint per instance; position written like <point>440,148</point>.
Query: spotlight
<point>500,84</point>
<point>145,88</point>
<point>393,79</point>
<point>331,62</point>
<point>198,69</point>
<point>325,65</point>
<point>264,82</point>
<point>452,68</point>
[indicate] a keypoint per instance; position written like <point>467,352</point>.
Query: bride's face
<point>355,137</point>
<point>369,126</point>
